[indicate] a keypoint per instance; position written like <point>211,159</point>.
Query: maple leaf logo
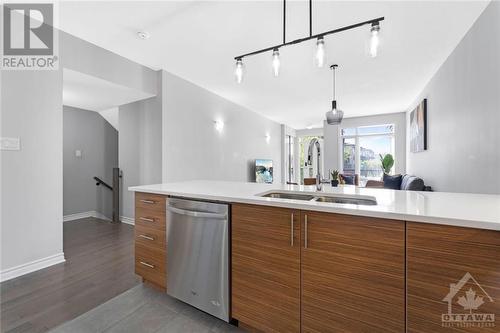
<point>470,301</point>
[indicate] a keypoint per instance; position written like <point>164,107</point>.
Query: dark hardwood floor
<point>99,266</point>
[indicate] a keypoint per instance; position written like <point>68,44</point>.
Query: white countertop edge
<point>303,205</point>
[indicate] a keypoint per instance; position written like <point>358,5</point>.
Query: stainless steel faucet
<point>315,142</point>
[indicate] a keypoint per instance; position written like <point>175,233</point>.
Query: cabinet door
<point>452,271</point>
<point>266,268</point>
<point>353,274</point>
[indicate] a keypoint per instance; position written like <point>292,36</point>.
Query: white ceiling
<point>198,41</point>
<point>91,93</point>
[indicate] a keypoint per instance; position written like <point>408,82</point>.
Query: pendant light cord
<point>284,21</point>
<point>333,68</point>
<point>310,19</point>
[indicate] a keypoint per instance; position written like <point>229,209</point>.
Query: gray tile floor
<point>143,309</point>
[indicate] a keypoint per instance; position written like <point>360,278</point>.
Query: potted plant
<point>335,177</point>
<point>387,162</point>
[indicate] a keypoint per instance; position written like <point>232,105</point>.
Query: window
<point>362,147</point>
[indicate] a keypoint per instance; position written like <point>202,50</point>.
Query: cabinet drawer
<point>150,263</point>
<point>150,219</point>
<point>150,237</point>
<point>151,202</point>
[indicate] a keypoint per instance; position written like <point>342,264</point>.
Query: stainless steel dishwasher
<point>197,255</point>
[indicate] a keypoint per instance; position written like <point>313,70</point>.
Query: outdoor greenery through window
<point>362,147</point>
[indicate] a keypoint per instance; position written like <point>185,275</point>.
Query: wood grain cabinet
<point>266,268</point>
<point>452,270</point>
<point>353,273</point>
<point>296,271</point>
<point>150,238</point>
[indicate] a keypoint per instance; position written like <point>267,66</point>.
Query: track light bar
<point>374,22</point>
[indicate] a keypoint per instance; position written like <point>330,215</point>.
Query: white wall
<point>97,140</point>
<point>140,146</point>
<point>332,138</point>
<point>31,179</point>
<point>84,57</point>
<point>193,149</point>
<point>463,101</point>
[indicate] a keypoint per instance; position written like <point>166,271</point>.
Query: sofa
<point>406,183</point>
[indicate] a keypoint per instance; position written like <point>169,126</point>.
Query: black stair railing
<point>116,192</point>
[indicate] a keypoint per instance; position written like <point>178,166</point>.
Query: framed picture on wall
<point>418,128</point>
<point>264,171</point>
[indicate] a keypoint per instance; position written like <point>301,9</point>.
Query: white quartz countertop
<point>459,209</point>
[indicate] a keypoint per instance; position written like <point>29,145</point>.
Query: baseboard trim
<point>11,273</point>
<point>127,220</point>
<point>91,213</point>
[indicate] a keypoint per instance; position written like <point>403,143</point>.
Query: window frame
<point>356,137</point>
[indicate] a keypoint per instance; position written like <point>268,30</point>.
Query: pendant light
<point>238,70</point>
<point>276,62</point>
<point>334,116</point>
<point>374,39</point>
<point>320,56</point>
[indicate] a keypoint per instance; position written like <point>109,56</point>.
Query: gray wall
<point>332,138</point>
<point>193,149</point>
<point>31,179</point>
<point>89,132</point>
<point>82,56</point>
<point>140,140</point>
<point>463,100</point>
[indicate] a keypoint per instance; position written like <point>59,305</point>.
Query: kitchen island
<point>301,263</point>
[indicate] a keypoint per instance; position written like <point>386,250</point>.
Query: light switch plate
<point>10,143</point>
<point>78,153</point>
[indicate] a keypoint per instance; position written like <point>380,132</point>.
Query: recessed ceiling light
<point>143,34</point>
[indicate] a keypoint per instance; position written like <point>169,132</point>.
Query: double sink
<point>367,201</point>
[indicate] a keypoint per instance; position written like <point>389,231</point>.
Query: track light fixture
<point>320,55</point>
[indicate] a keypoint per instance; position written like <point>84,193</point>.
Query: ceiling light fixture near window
<point>219,125</point>
<point>334,116</point>
<point>143,35</point>
<point>374,39</point>
<point>268,137</point>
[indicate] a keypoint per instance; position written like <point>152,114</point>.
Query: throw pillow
<point>392,182</point>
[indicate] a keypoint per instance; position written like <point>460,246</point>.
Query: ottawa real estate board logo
<point>29,40</point>
<point>465,299</point>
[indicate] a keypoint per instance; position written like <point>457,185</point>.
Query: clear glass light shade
<point>374,41</point>
<point>276,62</point>
<point>238,70</point>
<point>334,116</point>
<point>320,56</point>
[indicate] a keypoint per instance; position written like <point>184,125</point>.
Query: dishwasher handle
<point>196,213</point>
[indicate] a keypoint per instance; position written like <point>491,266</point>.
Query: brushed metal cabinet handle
<point>147,237</point>
<point>291,232</point>
<point>146,219</point>
<point>305,231</point>
<point>148,201</point>
<point>146,264</point>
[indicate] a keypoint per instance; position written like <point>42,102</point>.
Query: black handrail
<point>116,192</point>
<point>100,181</point>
